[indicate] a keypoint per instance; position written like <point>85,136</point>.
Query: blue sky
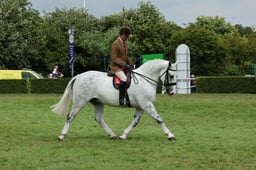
<point>179,11</point>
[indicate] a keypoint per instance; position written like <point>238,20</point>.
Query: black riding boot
<point>122,89</point>
<point>123,97</point>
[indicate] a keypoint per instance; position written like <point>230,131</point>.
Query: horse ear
<point>170,63</point>
<point>175,64</point>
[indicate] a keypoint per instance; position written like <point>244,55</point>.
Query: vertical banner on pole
<point>71,39</point>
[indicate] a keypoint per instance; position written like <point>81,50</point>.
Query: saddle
<point>122,86</point>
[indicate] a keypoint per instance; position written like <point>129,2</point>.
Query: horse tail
<point>61,107</point>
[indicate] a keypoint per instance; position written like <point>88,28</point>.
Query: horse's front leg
<point>150,109</point>
<point>99,108</point>
<point>136,119</point>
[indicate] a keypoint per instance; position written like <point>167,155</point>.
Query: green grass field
<point>213,131</point>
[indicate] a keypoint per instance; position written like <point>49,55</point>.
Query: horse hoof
<point>172,139</point>
<point>61,138</point>
<point>121,138</point>
<point>114,137</point>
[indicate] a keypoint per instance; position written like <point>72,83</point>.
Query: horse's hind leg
<point>99,108</point>
<point>153,113</point>
<point>137,115</point>
<point>70,117</point>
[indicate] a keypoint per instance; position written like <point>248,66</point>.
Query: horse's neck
<point>150,70</point>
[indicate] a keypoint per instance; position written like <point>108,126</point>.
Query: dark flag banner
<point>71,33</point>
<point>71,39</point>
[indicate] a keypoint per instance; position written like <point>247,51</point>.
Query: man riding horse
<point>120,60</point>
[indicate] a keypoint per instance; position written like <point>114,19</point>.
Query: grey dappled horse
<point>97,88</point>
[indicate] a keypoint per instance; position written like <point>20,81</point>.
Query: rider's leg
<point>121,75</point>
<point>122,87</point>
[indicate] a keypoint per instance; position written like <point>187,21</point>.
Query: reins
<point>143,76</point>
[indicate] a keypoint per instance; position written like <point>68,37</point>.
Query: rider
<point>119,60</point>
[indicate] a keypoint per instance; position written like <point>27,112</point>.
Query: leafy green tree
<point>20,38</point>
<point>228,52</point>
<point>207,50</point>
<point>151,31</point>
<point>27,38</point>
<point>97,45</point>
<point>93,37</point>
<point>114,20</point>
<point>244,31</point>
<point>241,53</point>
<point>216,24</point>
<point>249,55</point>
<point>56,28</point>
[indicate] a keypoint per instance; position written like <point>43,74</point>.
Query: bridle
<point>167,82</point>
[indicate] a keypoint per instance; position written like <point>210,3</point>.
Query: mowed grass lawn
<point>213,131</point>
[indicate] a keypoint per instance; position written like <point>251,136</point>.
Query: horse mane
<point>151,65</point>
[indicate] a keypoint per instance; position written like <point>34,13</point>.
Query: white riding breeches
<point>121,75</point>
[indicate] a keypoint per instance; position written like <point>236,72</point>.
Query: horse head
<point>156,69</point>
<point>168,78</point>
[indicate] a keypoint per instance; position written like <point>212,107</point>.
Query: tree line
<point>39,42</point>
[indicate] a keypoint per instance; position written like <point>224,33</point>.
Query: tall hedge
<point>33,86</point>
<point>231,84</point>
<point>49,85</point>
<point>203,85</point>
<point>13,86</point>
